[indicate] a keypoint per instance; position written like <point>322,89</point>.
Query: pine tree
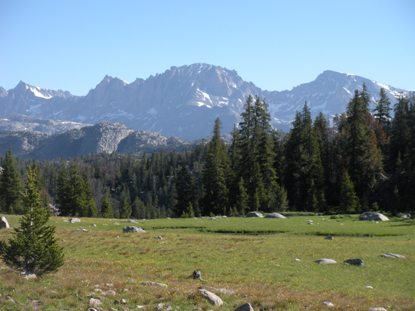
<point>106,207</point>
<point>241,202</point>
<point>361,153</point>
<point>10,186</point>
<point>125,206</point>
<point>382,110</point>
<point>349,201</point>
<point>185,191</point>
<point>304,175</point>
<point>34,249</point>
<point>215,200</point>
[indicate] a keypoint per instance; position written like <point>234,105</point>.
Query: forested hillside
<point>364,160</point>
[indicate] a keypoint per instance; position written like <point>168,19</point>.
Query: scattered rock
<point>354,262</point>
<point>94,225</point>
<point>133,221</point>
<point>369,286</point>
<point>151,283</point>
<point>123,301</point>
<point>4,224</point>
<point>36,305</point>
<point>328,304</point>
<point>225,291</point>
<point>393,255</point>
<point>163,307</point>
<point>245,307</point>
<point>94,302</point>
<point>328,237</point>
<point>255,214</point>
<point>74,220</point>
<point>275,215</point>
<point>129,229</point>
<point>92,309</point>
<point>297,259</point>
<point>211,297</point>
<point>10,299</point>
<point>159,237</point>
<point>377,309</point>
<point>197,275</point>
<point>28,275</point>
<point>325,261</point>
<point>373,216</point>
<point>404,215</point>
<point>110,292</point>
<point>310,222</point>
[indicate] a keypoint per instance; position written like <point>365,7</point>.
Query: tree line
<point>361,160</point>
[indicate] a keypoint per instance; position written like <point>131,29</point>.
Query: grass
<point>256,258</point>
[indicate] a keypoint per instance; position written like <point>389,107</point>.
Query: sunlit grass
<point>256,258</point>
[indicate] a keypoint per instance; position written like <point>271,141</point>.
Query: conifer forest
<point>363,159</point>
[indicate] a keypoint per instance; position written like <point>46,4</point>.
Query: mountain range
<point>182,101</point>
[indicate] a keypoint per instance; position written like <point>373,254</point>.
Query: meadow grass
<point>268,262</point>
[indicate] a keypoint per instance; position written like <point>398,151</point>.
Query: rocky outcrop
<point>373,216</point>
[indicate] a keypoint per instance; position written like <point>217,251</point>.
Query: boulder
<point>328,237</point>
<point>4,224</point>
<point>393,256</point>
<point>211,297</point>
<point>354,262</point>
<point>74,220</point>
<point>328,304</point>
<point>373,216</point>
<point>245,307</point>
<point>129,229</point>
<point>377,309</point>
<point>275,215</point>
<point>325,261</point>
<point>255,214</point>
<point>404,215</point>
<point>197,275</point>
<point>94,302</point>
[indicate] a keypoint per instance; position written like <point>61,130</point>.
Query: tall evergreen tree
<point>349,201</point>
<point>106,207</point>
<point>215,200</point>
<point>185,191</point>
<point>34,248</point>
<point>125,206</point>
<point>362,156</point>
<point>10,186</point>
<point>304,175</point>
<point>382,110</point>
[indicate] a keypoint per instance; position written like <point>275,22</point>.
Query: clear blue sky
<point>72,44</point>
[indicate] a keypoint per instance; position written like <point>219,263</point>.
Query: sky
<point>73,44</point>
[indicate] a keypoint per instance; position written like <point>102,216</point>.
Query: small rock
<point>124,301</point>
<point>404,215</point>
<point>310,222</point>
<point>109,284</point>
<point>211,297</point>
<point>275,215</point>
<point>325,261</point>
<point>377,309</point>
<point>74,220</point>
<point>393,255</point>
<point>28,275</point>
<point>159,237</point>
<point>133,221</point>
<point>94,302</point>
<point>369,286</point>
<point>354,262</point>
<point>255,214</point>
<point>225,291</point>
<point>328,304</point>
<point>94,225</point>
<point>135,229</point>
<point>4,224</point>
<point>245,307</point>
<point>297,259</point>
<point>84,230</point>
<point>140,306</point>
<point>110,292</point>
<point>151,283</point>
<point>373,216</point>
<point>163,307</point>
<point>92,309</point>
<point>10,299</point>
<point>197,275</point>
<point>328,237</point>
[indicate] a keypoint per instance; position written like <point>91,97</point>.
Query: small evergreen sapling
<point>34,249</point>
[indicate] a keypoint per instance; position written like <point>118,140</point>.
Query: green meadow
<point>267,262</point>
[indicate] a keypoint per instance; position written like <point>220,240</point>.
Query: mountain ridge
<point>184,101</point>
